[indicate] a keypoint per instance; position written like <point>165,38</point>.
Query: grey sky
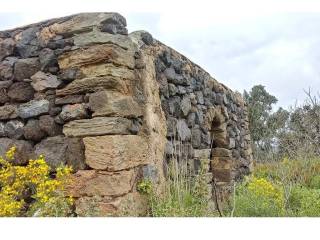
<point>279,50</point>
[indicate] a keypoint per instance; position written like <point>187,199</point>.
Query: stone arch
<point>220,159</point>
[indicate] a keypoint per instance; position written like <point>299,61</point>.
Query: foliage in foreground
<point>30,191</point>
<point>287,188</point>
<point>183,196</point>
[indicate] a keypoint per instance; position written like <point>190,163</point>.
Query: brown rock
<point>32,131</point>
<point>25,68</point>
<point>109,103</point>
<point>221,152</point>
<point>221,163</point>
<point>43,81</point>
<point>24,150</point>
<point>21,92</point>
<point>75,154</point>
<point>97,126</point>
<point>107,69</point>
<point>49,126</point>
<point>73,112</point>
<point>107,53</point>
<point>92,84</point>
<point>5,71</point>
<point>8,112</point>
<point>101,183</point>
<point>114,153</point>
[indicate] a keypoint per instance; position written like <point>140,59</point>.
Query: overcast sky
<point>275,43</point>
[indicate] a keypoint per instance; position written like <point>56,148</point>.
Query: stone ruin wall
<point>116,107</point>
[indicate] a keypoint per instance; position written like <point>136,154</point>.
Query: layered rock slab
<point>114,153</point>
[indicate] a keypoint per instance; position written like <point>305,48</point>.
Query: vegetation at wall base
<point>31,191</point>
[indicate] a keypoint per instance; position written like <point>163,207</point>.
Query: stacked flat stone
<point>115,106</point>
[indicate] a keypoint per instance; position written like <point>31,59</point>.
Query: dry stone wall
<point>116,107</point>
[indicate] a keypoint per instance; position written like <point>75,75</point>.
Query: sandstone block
<point>101,183</point>
<point>114,153</point>
<point>92,84</point>
<point>109,103</point>
<point>106,53</point>
<point>97,126</point>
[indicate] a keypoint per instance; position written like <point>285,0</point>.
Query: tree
<point>261,122</point>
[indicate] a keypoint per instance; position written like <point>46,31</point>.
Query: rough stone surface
<point>73,112</point>
<point>49,126</point>
<point>6,47</point>
<point>14,129</point>
<point>109,103</point>
<point>101,183</point>
<point>114,153</point>
<point>33,108</point>
<point>71,99</point>
<point>24,150</point>
<point>25,68</point>
<point>43,81</point>
<point>8,112</point>
<point>21,92</point>
<point>97,126</point>
<point>32,131</point>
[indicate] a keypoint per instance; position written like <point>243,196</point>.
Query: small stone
<point>33,108</point>
<point>6,84</point>
<point>6,72</point>
<point>6,47</point>
<point>69,75</point>
<point>3,96</point>
<point>25,68</point>
<point>8,112</point>
<point>42,81</point>
<point>32,131</point>
<point>49,126</point>
<point>172,89</point>
<point>199,97</point>
<point>2,132</point>
<point>185,105</point>
<point>47,58</point>
<point>184,132</point>
<point>75,154</point>
<point>73,112</point>
<point>196,137</point>
<point>14,129</point>
<point>171,126</point>
<point>21,92</point>
<point>147,38</point>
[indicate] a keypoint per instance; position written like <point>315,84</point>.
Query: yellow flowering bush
<point>258,197</point>
<point>30,191</point>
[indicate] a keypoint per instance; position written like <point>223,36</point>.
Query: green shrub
<point>304,202</point>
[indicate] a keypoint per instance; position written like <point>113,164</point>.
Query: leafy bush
<point>29,190</point>
<point>304,202</point>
